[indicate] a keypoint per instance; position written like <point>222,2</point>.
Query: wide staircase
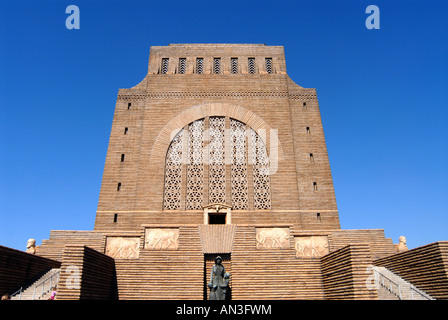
<point>41,289</point>
<point>391,286</point>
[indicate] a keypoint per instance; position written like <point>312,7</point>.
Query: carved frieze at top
<point>216,94</point>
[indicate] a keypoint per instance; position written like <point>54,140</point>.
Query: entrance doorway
<point>209,261</point>
<point>217,218</point>
<point>217,213</point>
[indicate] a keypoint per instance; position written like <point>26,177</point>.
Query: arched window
<point>217,160</point>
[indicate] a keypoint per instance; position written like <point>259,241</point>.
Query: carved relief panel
<point>162,238</point>
<point>311,246</point>
<point>269,238</point>
<point>122,247</point>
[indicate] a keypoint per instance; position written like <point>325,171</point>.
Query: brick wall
<point>161,102</point>
<point>265,274</point>
<point>18,268</point>
<point>86,274</point>
<point>53,248</point>
<point>164,274</point>
<point>345,272</point>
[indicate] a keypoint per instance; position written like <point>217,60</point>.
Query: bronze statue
<point>219,281</point>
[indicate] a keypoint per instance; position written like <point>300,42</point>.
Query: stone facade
<point>264,99</point>
<point>218,152</point>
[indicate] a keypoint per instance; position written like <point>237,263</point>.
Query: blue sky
<point>382,94</point>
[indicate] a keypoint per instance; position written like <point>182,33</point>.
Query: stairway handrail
<point>420,293</point>
<point>19,292</point>
<point>411,287</point>
<point>50,278</point>
<point>381,283</point>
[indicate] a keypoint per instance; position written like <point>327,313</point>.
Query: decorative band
<point>218,94</point>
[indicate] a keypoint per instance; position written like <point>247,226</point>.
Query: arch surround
<point>169,131</point>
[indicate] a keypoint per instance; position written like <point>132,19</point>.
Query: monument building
<point>218,155</point>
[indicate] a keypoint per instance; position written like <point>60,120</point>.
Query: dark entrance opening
<point>217,218</point>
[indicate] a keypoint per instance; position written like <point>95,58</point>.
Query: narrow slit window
<point>118,186</point>
<point>234,65</point>
<point>216,65</point>
<point>199,65</point>
<point>126,130</point>
<point>269,68</point>
<point>129,105</point>
<point>308,131</point>
<point>115,217</point>
<point>165,63</point>
<point>182,65</point>
<point>315,186</point>
<point>304,104</point>
<point>122,157</point>
<point>311,157</point>
<point>251,65</point>
<point>318,217</point>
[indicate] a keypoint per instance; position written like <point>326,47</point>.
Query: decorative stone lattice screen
<point>201,156</point>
